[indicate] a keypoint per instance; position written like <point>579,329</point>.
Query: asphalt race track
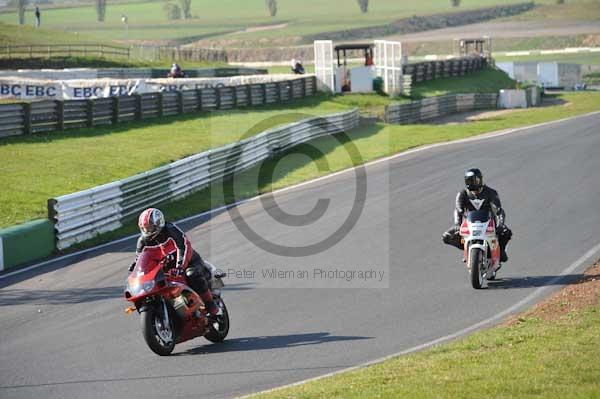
<point>64,334</point>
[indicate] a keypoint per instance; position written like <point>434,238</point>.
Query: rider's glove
<point>131,267</point>
<point>169,262</point>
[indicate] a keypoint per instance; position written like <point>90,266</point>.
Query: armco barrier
<point>26,242</point>
<point>435,107</point>
<point>47,116</point>
<point>87,213</point>
<point>429,70</point>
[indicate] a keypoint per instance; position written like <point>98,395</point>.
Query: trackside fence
<point>434,107</point>
<point>52,115</point>
<point>87,213</point>
<point>429,70</point>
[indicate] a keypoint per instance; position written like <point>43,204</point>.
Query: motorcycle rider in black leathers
<point>155,232</point>
<point>467,200</point>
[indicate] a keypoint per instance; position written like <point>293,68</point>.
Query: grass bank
<point>215,19</point>
<point>41,166</point>
<point>579,58</point>
<point>550,351</point>
<point>372,141</point>
<point>96,62</point>
<point>488,80</point>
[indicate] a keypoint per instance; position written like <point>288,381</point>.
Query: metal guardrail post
<point>278,86</point>
<point>303,87</point>
<point>179,102</point>
<point>218,97</point>
<point>115,110</point>
<point>138,107</point>
<point>199,99</point>
<point>263,87</point>
<point>160,104</point>
<point>249,94</point>
<point>90,112</point>
<point>27,118</point>
<point>60,114</point>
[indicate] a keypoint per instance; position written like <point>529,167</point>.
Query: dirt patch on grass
<point>510,29</point>
<point>471,116</point>
<point>481,115</point>
<point>575,297</point>
<point>262,27</point>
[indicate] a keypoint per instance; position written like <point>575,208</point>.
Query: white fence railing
<point>85,214</point>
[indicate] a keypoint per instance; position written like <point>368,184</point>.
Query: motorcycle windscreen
<point>480,216</point>
<point>148,259</point>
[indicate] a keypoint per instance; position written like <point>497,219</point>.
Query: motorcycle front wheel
<point>159,337</point>
<point>475,268</point>
<point>219,327</point>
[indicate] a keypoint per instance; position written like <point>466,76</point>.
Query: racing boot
<point>210,304</point>
<point>503,255</point>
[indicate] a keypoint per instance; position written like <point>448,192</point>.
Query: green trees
<point>21,10</point>
<point>364,5</point>
<point>272,7</point>
<point>100,10</point>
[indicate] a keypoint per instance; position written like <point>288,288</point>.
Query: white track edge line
<point>483,136</point>
<point>448,337</point>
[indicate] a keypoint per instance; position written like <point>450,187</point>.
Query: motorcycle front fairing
<point>149,286</point>
<point>478,231</point>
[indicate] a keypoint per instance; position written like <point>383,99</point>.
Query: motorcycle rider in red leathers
<point>172,241</point>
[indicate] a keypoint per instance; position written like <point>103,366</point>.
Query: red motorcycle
<point>170,311</point>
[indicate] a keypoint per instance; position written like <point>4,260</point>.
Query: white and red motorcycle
<point>481,246</point>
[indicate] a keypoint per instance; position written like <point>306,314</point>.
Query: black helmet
<point>474,180</point>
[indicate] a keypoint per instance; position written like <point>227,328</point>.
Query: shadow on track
<point>268,342</point>
<point>538,281</point>
<point>10,297</point>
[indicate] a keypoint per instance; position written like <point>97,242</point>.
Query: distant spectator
<point>176,72</point>
<point>297,67</point>
<point>37,17</point>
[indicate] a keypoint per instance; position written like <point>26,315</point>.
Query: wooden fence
<point>62,50</point>
<point>47,116</point>
<point>152,53</point>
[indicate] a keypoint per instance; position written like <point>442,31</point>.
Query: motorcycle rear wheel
<point>475,263</point>
<point>160,339</point>
<point>220,333</point>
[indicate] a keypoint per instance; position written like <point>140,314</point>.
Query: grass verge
<point>488,80</point>
<point>229,19</point>
<point>38,62</point>
<point>550,351</point>
<point>372,141</point>
<point>41,166</point>
<point>578,58</point>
